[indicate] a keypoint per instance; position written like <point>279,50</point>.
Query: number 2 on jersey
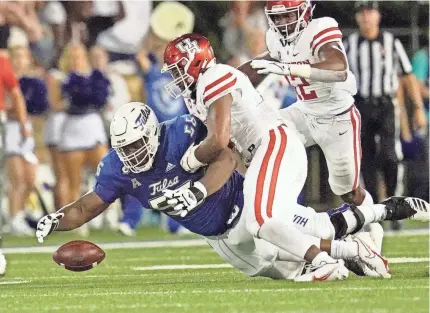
<point>299,84</point>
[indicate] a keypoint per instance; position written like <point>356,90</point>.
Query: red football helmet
<point>186,57</point>
<point>289,18</point>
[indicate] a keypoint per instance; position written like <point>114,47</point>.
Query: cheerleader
<point>21,162</point>
<point>83,140</point>
<point>53,127</point>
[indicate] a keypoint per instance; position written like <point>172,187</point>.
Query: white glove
<point>189,161</point>
<point>184,200</point>
<point>267,67</point>
<point>47,225</point>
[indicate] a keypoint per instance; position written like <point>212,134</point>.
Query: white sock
<point>287,237</point>
<point>380,212</point>
<point>343,249</point>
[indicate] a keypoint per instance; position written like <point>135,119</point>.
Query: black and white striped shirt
<point>377,63</point>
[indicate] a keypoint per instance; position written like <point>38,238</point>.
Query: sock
<point>287,237</point>
<point>380,212</point>
<point>343,249</point>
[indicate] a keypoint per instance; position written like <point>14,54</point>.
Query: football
<point>78,255</point>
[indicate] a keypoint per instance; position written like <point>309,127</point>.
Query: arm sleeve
<point>405,64</point>
<point>327,31</point>
<point>420,65</point>
<point>107,186</point>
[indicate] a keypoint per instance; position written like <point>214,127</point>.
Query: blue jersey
<point>214,216</point>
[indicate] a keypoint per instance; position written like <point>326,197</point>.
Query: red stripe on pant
<point>354,143</point>
<point>275,173</point>
<point>274,178</point>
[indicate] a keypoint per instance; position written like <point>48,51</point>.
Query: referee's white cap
<point>171,19</point>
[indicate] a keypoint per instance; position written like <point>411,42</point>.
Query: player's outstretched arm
<point>81,211</point>
<point>72,215</point>
<point>331,68</point>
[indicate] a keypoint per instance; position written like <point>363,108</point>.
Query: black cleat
<point>400,208</point>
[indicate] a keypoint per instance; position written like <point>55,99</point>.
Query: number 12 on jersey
<point>299,83</point>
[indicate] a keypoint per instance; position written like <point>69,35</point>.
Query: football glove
<point>189,161</point>
<point>183,200</point>
<point>267,67</point>
<point>47,225</point>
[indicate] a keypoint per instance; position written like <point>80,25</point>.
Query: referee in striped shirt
<point>377,59</point>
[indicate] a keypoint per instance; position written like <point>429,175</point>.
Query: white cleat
<point>421,207</point>
<point>126,230</point>
<point>366,255</point>
<point>324,268</point>
<point>2,265</point>
<point>20,227</point>
<point>373,239</point>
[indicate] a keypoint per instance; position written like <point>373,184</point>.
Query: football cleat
<point>324,268</point>
<point>372,259</point>
<point>356,265</point>
<point>399,208</point>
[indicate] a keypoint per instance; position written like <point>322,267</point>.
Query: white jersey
<point>316,98</point>
<point>251,117</point>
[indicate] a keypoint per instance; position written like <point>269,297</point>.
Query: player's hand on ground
<point>184,200</point>
<point>189,162</point>
<point>267,67</point>
<point>47,225</point>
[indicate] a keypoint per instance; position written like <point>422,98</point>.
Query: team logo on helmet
<point>142,118</point>
<point>189,47</point>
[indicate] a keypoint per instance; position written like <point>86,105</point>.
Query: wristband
<point>192,161</point>
<point>199,191</point>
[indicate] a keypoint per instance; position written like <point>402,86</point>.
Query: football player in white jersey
<point>310,54</point>
<point>232,109</point>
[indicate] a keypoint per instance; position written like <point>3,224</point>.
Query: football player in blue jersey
<point>145,163</point>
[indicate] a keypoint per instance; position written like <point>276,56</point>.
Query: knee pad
<point>339,222</point>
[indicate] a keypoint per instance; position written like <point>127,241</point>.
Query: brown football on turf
<point>78,255</point>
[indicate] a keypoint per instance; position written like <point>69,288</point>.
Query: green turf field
<point>134,280</point>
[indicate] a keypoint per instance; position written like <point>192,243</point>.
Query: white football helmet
<point>134,136</point>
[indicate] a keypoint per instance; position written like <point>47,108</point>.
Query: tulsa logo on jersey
<point>213,217</point>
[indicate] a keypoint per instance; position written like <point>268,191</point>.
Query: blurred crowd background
<point>76,62</point>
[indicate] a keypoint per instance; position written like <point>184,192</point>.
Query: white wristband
<point>191,159</point>
<point>202,188</point>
